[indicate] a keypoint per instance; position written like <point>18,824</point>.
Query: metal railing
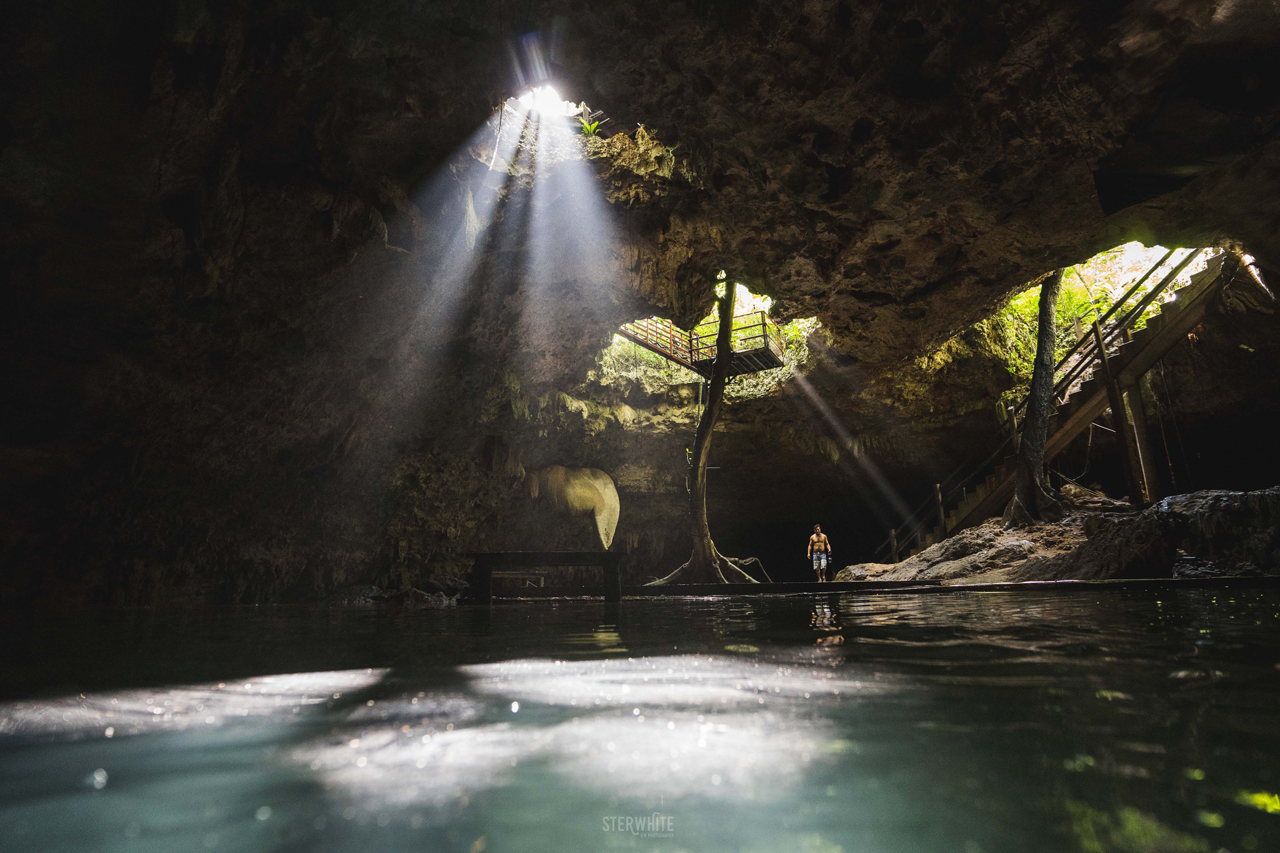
<point>662,336</point>
<point>751,331</point>
<point>932,511</point>
<point>1087,347</point>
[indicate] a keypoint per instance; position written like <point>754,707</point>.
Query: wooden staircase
<point>1128,361</point>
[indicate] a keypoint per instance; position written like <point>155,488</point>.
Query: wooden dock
<point>875,587</point>
<point>491,562</point>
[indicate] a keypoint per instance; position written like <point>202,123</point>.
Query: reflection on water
<point>1029,721</point>
<point>131,712</point>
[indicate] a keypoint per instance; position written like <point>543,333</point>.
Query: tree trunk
<point>1033,500</point>
<point>706,564</point>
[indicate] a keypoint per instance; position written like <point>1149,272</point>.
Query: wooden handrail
<point>1116,306</point>
<point>1088,352</point>
<point>1091,352</point>
<point>702,343</point>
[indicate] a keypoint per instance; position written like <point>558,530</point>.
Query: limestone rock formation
<point>585,490</point>
<point>982,554</point>
<point>1219,532</point>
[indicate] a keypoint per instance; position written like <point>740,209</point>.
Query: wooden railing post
<point>893,543</point>
<point>481,591</point>
<point>1146,454</point>
<point>612,577</point>
<point>1128,453</point>
<point>942,512</point>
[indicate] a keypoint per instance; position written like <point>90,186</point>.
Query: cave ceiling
<point>894,168</point>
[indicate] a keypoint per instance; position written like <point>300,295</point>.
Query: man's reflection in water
<point>824,619</point>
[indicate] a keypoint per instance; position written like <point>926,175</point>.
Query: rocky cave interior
<point>284,318</point>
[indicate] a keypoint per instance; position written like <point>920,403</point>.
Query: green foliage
<point>626,360</point>
<point>590,128</point>
<point>1088,291</point>
<point>746,331</point>
<point>1021,320</point>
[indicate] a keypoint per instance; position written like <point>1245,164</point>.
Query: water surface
<point>1038,720</point>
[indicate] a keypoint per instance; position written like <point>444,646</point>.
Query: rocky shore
<point>1201,534</point>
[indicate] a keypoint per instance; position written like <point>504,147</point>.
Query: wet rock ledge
<point>1202,534</point>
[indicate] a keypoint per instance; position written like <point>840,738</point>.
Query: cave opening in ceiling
<point>546,101</point>
<point>1118,319</point>
<point>518,226</point>
<point>1092,290</point>
<point>645,353</point>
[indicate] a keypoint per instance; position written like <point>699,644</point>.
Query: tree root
<point>1047,505</point>
<point>741,563</point>
<point>722,570</point>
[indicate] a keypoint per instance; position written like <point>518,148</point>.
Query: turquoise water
<point>1042,720</point>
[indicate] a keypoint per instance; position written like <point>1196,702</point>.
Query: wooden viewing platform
<point>757,343</point>
<point>493,563</point>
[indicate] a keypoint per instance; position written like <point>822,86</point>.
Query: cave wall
<point>243,362</point>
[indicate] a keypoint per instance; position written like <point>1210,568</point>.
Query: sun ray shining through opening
<point>847,440</point>
<point>571,250</point>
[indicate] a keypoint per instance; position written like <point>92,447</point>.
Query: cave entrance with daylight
<point>756,340</point>
<point>656,353</point>
<point>1113,429</point>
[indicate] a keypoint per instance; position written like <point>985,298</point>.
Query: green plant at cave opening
<point>590,128</point>
<point>625,362</point>
<point>1088,290</point>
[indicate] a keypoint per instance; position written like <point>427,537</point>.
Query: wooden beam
<point>481,587</point>
<point>1128,452</point>
<point>1146,453</point>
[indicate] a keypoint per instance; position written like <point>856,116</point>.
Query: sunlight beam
<point>847,440</point>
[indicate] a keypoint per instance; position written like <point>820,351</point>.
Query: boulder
<point>1199,534</point>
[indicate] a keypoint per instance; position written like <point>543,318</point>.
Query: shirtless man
<point>819,551</point>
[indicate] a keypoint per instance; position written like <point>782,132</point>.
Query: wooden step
<point>1127,360</point>
<point>1072,404</point>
